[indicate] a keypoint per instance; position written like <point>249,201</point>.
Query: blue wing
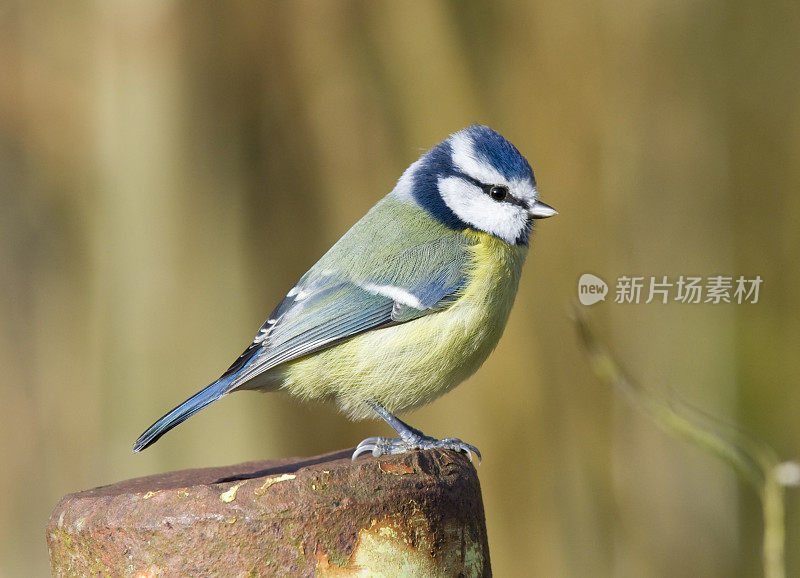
<point>325,308</point>
<point>374,277</point>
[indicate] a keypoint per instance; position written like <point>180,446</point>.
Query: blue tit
<point>407,304</point>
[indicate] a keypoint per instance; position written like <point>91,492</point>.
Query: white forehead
<point>468,161</point>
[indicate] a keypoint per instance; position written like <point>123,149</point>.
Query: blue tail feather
<point>183,412</point>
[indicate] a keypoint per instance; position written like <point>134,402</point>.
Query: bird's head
<point>477,179</point>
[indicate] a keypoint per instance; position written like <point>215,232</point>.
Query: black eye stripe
<point>510,199</point>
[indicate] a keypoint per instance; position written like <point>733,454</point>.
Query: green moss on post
<point>418,514</point>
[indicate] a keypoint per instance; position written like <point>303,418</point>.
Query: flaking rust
<point>230,495</point>
<point>416,514</point>
<point>400,469</point>
<point>272,481</point>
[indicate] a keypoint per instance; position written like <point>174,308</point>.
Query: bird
<point>407,304</point>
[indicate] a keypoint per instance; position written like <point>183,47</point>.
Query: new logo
<point>591,289</point>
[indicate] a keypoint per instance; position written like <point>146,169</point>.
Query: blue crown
<point>437,163</point>
<point>500,153</point>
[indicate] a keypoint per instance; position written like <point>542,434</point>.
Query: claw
<point>361,449</point>
<point>468,449</point>
<point>369,442</point>
<point>373,445</point>
<point>477,453</point>
<point>410,439</point>
<point>459,446</point>
<point>366,446</point>
<point>380,446</point>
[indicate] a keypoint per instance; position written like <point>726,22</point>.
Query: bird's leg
<point>410,439</point>
<point>404,430</point>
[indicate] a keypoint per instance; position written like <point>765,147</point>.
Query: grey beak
<point>542,210</point>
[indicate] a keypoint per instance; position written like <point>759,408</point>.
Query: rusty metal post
<point>418,514</point>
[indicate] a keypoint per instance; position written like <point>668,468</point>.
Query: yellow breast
<point>408,365</point>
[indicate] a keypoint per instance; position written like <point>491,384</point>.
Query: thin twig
<point>755,461</point>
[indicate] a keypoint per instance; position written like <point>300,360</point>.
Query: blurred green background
<point>169,169</point>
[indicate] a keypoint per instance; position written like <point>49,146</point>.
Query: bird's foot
<point>380,446</point>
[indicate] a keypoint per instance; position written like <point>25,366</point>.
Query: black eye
<point>498,192</point>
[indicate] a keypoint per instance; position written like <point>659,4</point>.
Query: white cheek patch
<point>467,161</point>
<point>474,207</point>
